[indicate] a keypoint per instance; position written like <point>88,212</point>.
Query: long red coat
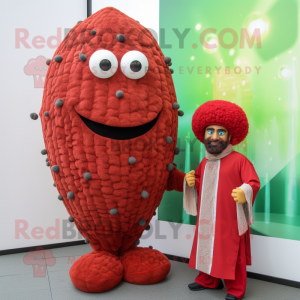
<point>235,169</point>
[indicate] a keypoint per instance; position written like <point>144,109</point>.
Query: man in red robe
<point>221,193</point>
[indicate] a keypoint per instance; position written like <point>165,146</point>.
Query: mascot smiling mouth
<point>118,133</point>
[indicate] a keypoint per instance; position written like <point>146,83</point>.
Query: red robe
<point>234,170</point>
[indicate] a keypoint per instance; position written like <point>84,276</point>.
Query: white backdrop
<point>27,194</point>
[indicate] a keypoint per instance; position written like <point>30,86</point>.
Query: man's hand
<point>190,178</point>
<point>238,196</point>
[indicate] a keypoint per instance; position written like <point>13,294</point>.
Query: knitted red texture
<point>222,113</point>
<point>70,144</point>
<point>111,186</point>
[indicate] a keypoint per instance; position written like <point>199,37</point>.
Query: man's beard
<point>219,147</point>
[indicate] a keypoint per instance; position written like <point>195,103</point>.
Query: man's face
<point>216,139</point>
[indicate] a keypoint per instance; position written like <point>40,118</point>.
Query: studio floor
<point>17,281</point>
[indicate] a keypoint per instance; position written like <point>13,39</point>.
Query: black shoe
<point>220,286</point>
<point>198,287</point>
<point>231,297</point>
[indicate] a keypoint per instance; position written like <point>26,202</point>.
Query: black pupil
<point>135,66</point>
<point>105,64</point>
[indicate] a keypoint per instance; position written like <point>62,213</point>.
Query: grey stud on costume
<point>55,169</point>
<point>170,167</point>
<point>71,195</point>
<point>44,151</point>
<point>177,151</point>
<point>148,227</point>
<point>86,241</point>
<point>79,22</point>
<point>47,159</point>
<point>82,57</point>
<point>142,222</point>
<point>113,211</point>
<point>175,105</point>
<point>150,247</point>
<point>46,113</point>
<point>119,94</point>
<point>60,197</point>
<point>58,58</point>
<point>170,64</point>
<point>47,164</point>
<point>167,60</point>
<point>54,184</point>
<point>137,21</point>
<point>59,103</point>
<point>71,219</point>
<point>180,113</point>
<point>48,61</point>
<point>154,214</point>
<point>169,140</point>
<point>93,32</point>
<point>144,194</point>
<point>131,160</point>
<point>121,38</point>
<point>34,116</point>
<point>171,70</point>
<point>87,176</point>
<point>137,242</point>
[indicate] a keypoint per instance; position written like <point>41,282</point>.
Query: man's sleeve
<point>175,180</point>
<point>197,177</point>
<point>250,186</point>
<point>190,194</point>
<point>249,177</point>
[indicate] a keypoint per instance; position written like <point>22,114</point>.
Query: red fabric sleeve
<point>175,181</point>
<point>249,176</point>
<point>198,176</point>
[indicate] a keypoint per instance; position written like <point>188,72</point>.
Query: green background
<point>269,96</point>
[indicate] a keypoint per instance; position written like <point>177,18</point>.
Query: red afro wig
<point>222,113</point>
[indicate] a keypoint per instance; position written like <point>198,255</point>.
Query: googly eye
<point>134,64</point>
<point>103,63</point>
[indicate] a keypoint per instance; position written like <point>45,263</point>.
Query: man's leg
<point>237,287</point>
<point>207,281</point>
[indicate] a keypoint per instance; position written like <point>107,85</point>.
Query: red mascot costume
<point>109,116</point>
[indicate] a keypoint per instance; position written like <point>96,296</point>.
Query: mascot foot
<point>96,272</point>
<point>144,266</point>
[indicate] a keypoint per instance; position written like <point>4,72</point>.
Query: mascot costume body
<point>109,117</point>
